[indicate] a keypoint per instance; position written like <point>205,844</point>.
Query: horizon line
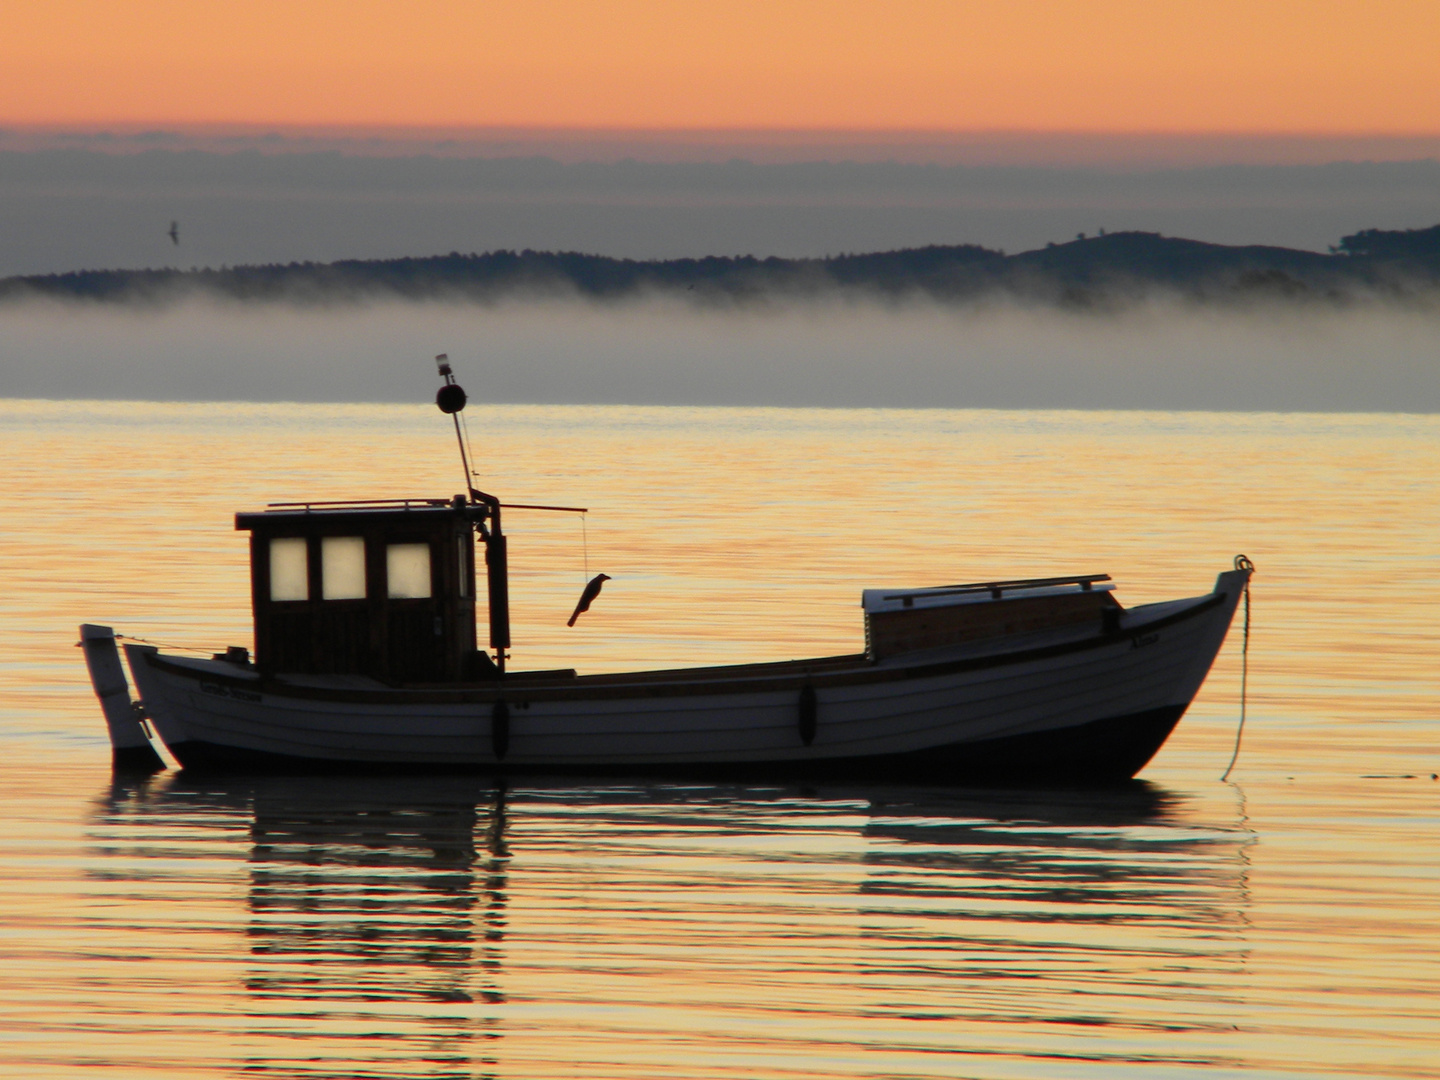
<point>915,145</point>
<point>428,403</point>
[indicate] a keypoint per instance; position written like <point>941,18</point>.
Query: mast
<point>497,578</point>
<point>451,400</point>
<point>484,511</point>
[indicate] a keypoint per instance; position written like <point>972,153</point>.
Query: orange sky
<point>1297,66</point>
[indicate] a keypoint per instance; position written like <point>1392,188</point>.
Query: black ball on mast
<point>450,398</point>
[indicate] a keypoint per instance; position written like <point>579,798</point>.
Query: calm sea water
<point>1284,924</point>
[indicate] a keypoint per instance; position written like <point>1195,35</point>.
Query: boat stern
<point>131,749</point>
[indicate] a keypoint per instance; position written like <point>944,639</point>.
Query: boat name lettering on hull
<point>1141,640</point>
<point>229,691</point>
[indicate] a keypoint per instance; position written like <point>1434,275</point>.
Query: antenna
<point>451,399</point>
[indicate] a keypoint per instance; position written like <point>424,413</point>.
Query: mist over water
<point>1367,357</point>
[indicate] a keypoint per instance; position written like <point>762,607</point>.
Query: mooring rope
<point>1242,563</point>
<point>164,645</point>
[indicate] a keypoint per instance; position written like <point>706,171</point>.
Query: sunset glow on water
<point>1283,924</point>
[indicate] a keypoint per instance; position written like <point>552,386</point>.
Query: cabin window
<point>462,542</point>
<point>289,576</point>
<point>407,571</point>
<point>342,568</point>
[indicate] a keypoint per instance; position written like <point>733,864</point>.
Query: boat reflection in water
<point>443,926</point>
<point>402,900</point>
<point>1072,915</point>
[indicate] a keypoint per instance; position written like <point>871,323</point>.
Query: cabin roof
<point>346,512</point>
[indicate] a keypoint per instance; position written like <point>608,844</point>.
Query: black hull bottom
<point>1101,752</point>
<point>136,760</point>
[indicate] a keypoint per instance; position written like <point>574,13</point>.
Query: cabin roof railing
<point>360,504</point>
<point>1085,581</point>
<point>326,513</point>
<point>875,600</point>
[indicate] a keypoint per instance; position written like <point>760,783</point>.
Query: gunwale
<point>686,682</point>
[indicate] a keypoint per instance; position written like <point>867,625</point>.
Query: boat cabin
<point>383,588</point>
<point>904,621</point>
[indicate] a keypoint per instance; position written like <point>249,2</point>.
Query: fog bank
<point>997,355</point>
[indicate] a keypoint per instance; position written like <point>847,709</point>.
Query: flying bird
<point>592,590</point>
<point>174,233</point>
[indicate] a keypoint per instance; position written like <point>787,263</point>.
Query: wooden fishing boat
<point>366,658</point>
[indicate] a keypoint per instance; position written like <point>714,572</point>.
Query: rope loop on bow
<point>1242,562</point>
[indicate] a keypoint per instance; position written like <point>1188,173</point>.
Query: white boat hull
<point>1086,705</point>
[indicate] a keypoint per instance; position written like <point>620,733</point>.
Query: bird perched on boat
<point>592,590</point>
<point>174,233</point>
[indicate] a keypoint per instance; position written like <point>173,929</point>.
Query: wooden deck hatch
<point>380,588</point>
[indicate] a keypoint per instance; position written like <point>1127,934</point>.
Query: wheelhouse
<point>384,589</point>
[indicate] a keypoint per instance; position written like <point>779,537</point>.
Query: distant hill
<point>1418,245</point>
<point>1087,271</point>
